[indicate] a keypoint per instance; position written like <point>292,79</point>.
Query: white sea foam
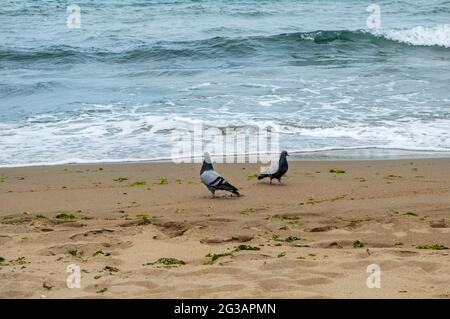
<point>270,100</point>
<point>197,87</point>
<point>116,137</point>
<point>438,35</point>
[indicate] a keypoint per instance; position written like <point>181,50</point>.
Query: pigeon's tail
<point>230,188</point>
<point>262,176</point>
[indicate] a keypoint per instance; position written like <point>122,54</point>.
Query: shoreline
<point>357,154</point>
<point>295,240</point>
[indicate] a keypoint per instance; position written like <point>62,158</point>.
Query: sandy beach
<point>312,237</point>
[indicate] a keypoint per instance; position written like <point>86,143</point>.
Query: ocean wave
<point>332,153</point>
<point>420,36</point>
<point>217,47</point>
<point>105,133</point>
<point>55,54</point>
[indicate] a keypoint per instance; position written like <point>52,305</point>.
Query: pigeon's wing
<point>272,169</point>
<point>210,177</point>
<point>214,181</point>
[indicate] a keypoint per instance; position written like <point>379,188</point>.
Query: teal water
<point>137,70</point>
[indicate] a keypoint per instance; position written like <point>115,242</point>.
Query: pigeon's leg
<point>270,181</point>
<point>279,180</point>
<point>213,195</point>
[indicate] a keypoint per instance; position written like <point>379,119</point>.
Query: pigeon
<point>276,170</point>
<point>212,180</point>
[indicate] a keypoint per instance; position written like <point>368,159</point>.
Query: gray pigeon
<point>213,180</point>
<point>276,170</point>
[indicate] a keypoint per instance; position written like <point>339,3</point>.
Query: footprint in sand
<point>314,281</point>
<point>4,238</point>
<point>420,230</point>
<point>172,229</point>
<point>439,224</point>
<point>238,238</point>
<point>403,253</point>
<point>322,229</point>
<point>92,232</point>
<point>87,249</point>
<point>400,234</point>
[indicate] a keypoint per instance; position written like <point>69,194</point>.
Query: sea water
<point>117,85</point>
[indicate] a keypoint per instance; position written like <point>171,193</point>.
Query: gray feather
<point>208,177</point>
<point>272,169</point>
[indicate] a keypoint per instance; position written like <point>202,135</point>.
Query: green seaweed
<point>312,201</point>
<point>246,247</point>
<point>411,214</point>
<point>432,246</point>
<point>168,262</point>
<point>276,237</point>
<point>247,211</point>
<point>291,239</point>
<point>214,257</point>
<point>340,197</point>
<point>139,183</point>
<point>100,252</point>
<point>19,261</point>
<point>111,269</point>
<point>144,218</point>
<point>75,253</point>
<point>120,179</point>
<point>337,170</point>
<point>392,177</point>
<point>65,216</point>
<point>163,181</point>
<point>358,244</point>
<point>47,286</point>
<point>283,217</point>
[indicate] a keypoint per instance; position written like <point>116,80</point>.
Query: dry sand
<point>304,229</point>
